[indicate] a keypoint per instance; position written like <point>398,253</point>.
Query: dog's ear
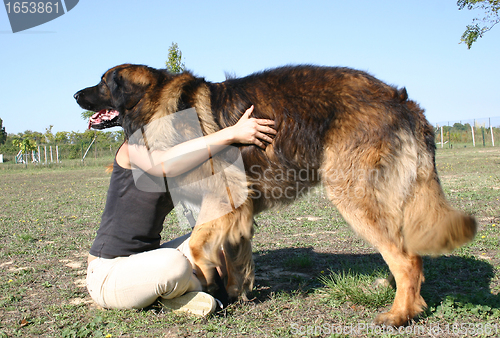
<point>124,90</point>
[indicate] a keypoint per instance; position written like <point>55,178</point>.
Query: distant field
<point>313,275</point>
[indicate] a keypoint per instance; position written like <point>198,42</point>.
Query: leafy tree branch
<point>482,25</point>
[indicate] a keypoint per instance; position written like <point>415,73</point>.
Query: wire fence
<point>57,153</point>
<point>480,132</point>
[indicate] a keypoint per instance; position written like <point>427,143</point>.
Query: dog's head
<point>118,98</point>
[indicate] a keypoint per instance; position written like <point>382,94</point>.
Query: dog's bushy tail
<point>431,225</point>
<point>109,168</point>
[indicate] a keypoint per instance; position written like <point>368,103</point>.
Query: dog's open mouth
<point>105,118</point>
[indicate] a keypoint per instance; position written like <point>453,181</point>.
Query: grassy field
<point>313,275</point>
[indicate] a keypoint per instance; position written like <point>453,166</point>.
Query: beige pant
<point>138,280</point>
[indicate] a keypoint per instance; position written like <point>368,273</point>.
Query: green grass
<point>63,164</point>
<point>311,269</point>
<point>356,288</point>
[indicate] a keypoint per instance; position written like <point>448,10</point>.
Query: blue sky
<point>406,43</point>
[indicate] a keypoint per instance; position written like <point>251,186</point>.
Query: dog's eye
<point>105,84</point>
<point>117,78</point>
<point>103,87</point>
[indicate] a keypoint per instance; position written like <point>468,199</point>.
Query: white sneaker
<point>196,303</point>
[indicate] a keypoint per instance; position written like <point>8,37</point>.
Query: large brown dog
<point>370,147</point>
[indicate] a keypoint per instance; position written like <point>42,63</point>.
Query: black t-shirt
<point>133,218</point>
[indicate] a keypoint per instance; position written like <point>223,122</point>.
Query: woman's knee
<point>171,266</point>
<point>177,276</point>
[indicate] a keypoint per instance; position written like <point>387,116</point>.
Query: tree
<point>3,133</point>
<point>87,114</point>
<point>480,26</point>
<point>61,137</point>
<point>49,136</point>
<point>459,126</point>
<point>35,136</point>
<point>25,144</point>
<point>174,63</point>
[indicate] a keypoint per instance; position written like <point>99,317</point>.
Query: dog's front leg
<point>205,255</point>
<point>233,232</point>
<point>239,267</point>
<point>207,238</point>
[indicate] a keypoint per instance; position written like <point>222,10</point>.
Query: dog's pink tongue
<point>96,118</point>
<point>103,115</point>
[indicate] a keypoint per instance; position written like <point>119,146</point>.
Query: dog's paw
<point>391,319</point>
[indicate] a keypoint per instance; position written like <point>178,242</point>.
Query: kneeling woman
<point>127,266</point>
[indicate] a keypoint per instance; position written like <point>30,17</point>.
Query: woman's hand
<point>187,155</point>
<point>250,130</point>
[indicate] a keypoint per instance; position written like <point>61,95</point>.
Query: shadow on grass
<point>459,282</point>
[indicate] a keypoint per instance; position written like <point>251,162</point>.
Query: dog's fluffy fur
<point>365,141</point>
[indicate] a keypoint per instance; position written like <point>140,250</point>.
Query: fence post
<point>57,153</point>
<point>45,152</point>
<point>449,136</point>
<point>473,138</point>
<point>442,140</point>
<point>91,143</point>
<point>51,157</point>
<point>492,138</point>
<point>19,157</point>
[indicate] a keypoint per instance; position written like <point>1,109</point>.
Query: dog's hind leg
<point>406,268</point>
<point>378,221</point>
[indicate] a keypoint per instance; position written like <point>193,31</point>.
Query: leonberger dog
<point>368,144</point>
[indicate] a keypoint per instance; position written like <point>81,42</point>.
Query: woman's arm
<point>187,155</point>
